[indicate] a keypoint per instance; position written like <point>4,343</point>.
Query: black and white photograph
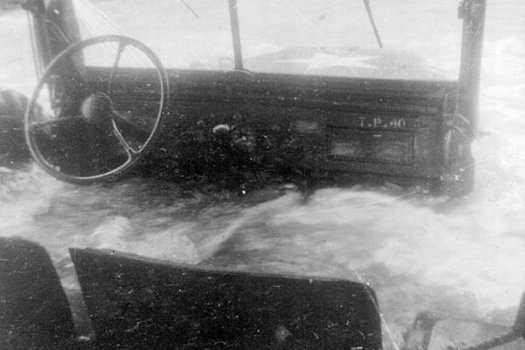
<point>262,174</point>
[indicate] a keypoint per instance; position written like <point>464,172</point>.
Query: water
<point>463,257</point>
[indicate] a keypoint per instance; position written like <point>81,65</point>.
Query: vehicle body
<point>364,118</point>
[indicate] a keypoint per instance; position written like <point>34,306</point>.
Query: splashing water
<point>464,257</point>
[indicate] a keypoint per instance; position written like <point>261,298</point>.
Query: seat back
<point>135,303</point>
<point>34,311</point>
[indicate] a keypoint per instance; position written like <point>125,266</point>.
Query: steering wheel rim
<point>133,155</point>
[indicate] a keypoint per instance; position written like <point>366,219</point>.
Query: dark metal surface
<point>275,106</point>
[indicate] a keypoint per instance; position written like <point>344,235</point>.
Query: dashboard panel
<point>361,127</point>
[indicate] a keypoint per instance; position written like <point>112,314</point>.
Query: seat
<point>138,303</point>
<point>34,311</point>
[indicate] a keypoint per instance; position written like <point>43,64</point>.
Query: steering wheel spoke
<point>87,135</point>
<point>127,147</point>
<point>121,46</point>
<point>51,122</point>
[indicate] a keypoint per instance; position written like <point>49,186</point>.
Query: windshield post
<point>39,37</point>
<point>473,14</point>
<point>236,34</point>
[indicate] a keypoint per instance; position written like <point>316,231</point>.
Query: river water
<point>463,257</point>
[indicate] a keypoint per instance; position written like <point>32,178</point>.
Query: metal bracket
<point>463,8</point>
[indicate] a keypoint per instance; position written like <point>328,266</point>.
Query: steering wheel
<point>95,112</point>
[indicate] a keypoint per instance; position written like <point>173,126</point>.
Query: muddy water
<point>464,257</point>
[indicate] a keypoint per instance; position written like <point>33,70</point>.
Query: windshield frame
<point>472,13</point>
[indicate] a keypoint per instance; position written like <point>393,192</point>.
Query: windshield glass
<point>331,37</point>
<point>195,37</point>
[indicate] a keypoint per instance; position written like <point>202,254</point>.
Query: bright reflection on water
<point>464,257</point>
